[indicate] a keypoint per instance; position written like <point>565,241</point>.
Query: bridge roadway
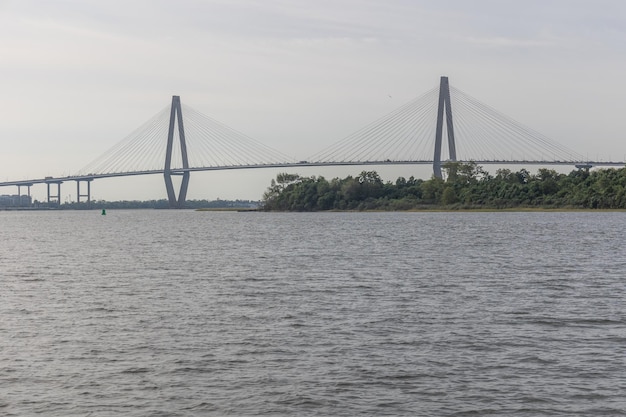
<point>175,171</point>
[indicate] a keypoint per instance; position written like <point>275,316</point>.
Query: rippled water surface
<point>184,313</point>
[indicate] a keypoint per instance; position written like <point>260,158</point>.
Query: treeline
<point>467,186</point>
<point>160,204</point>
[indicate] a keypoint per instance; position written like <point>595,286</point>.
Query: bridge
<point>179,140</point>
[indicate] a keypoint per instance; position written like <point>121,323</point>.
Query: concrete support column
<point>176,116</point>
<point>444,103</point>
<point>79,195</point>
<point>58,194</point>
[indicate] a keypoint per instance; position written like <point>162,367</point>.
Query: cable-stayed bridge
<point>443,124</point>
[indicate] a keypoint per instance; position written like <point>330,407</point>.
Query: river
<point>185,313</point>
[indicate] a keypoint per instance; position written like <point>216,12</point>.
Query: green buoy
<point>104,212</point>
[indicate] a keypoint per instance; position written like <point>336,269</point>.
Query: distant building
<point>15,200</point>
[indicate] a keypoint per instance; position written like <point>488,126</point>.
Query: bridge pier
<point>444,102</point>
<point>88,195</point>
<point>58,194</point>
<point>171,194</point>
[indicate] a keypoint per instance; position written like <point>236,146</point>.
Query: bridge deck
<point>54,180</point>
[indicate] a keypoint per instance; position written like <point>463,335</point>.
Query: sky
<point>77,76</point>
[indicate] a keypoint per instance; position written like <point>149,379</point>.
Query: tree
<point>467,183</point>
<point>505,175</point>
<point>449,196</point>
<point>432,190</point>
<point>523,176</point>
<point>463,173</point>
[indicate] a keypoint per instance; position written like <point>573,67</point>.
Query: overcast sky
<point>77,76</point>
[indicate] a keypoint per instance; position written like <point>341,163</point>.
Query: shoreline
<point>444,210</point>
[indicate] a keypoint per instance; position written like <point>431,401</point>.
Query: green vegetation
<point>467,186</point>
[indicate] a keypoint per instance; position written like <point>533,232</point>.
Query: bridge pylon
<point>176,117</point>
<point>444,102</point>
